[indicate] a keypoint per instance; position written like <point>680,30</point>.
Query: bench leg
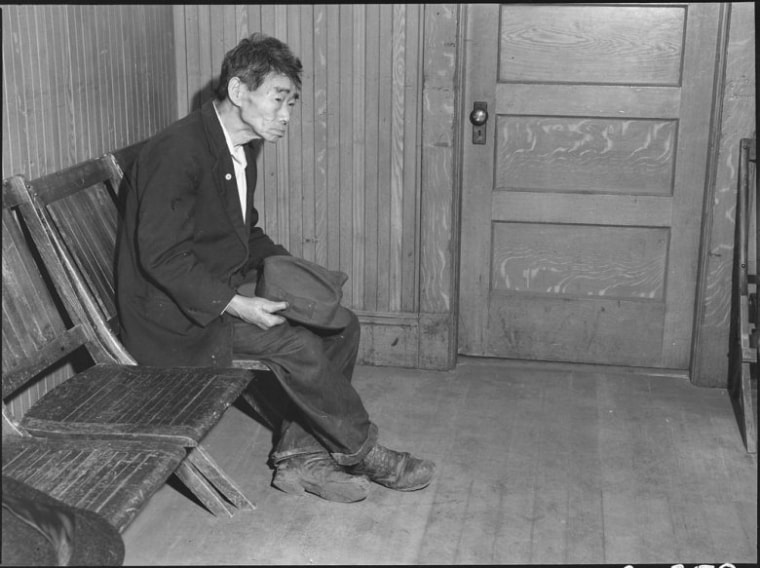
<point>203,490</point>
<point>205,466</point>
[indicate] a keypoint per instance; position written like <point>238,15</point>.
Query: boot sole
<point>336,492</point>
<point>413,488</point>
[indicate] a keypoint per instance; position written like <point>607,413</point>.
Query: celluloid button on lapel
<point>228,177</point>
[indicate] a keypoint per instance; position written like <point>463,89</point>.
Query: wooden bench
<point>112,477</point>
<point>81,210</point>
<point>108,401</point>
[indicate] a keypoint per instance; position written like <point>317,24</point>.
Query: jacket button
<point>228,177</point>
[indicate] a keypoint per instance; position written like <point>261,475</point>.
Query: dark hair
<point>254,58</point>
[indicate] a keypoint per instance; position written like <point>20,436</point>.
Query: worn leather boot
<point>396,470</point>
<point>320,475</point>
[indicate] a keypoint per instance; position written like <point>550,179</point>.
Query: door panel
<point>591,44</point>
<point>581,213</point>
<point>599,155</point>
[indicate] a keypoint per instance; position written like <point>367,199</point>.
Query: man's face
<point>265,112</point>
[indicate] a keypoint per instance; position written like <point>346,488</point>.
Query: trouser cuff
<point>277,457</point>
<point>356,457</point>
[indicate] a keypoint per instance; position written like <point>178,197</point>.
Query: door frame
<point>461,128</point>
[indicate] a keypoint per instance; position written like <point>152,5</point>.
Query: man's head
<point>253,59</point>
<point>260,84</point>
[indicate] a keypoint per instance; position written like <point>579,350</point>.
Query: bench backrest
<point>80,206</point>
<point>43,319</point>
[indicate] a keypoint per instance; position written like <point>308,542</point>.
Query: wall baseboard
<point>406,340</point>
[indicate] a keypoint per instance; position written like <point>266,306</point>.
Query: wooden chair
<point>81,207</point>
<point>114,478</point>
<point>108,399</point>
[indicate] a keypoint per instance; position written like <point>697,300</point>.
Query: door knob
<point>478,118</point>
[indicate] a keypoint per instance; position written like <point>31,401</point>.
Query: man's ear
<point>234,90</point>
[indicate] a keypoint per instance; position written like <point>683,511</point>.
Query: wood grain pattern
<point>581,44</point>
<point>438,167</point>
<point>738,120</point>
<point>579,260</point>
<point>396,216</point>
<point>585,155</point>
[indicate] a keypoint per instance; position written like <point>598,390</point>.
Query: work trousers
<point>315,369</point>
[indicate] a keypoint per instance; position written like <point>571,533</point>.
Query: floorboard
<point>535,466</point>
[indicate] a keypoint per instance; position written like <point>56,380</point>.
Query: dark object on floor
<point>39,530</point>
<point>745,307</point>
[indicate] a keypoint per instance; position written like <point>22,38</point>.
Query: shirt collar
<point>237,152</point>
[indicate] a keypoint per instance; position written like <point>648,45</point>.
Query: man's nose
<point>284,116</point>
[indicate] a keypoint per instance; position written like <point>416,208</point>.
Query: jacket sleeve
<point>260,245</point>
<point>167,184</point>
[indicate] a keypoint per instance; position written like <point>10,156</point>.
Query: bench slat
<point>181,404</point>
<point>112,478</point>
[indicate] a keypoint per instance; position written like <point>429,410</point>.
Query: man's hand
<point>257,311</point>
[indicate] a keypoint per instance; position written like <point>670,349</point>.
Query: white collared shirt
<point>239,163</point>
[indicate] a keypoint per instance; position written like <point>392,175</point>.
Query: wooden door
<point>582,211</point>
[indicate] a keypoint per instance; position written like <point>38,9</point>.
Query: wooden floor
<point>535,466</point>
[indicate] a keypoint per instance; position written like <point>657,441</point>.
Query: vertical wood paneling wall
<point>342,188</point>
<point>738,117</point>
<point>346,187</point>
<point>79,81</point>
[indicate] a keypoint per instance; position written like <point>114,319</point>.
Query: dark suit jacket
<point>184,246</point>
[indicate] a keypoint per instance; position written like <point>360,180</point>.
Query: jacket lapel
<point>224,172</point>
<point>251,153</point>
